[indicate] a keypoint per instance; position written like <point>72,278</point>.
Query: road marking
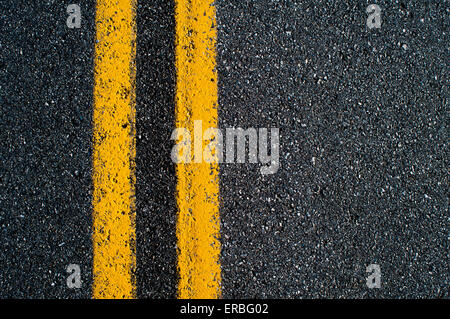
<point>198,223</point>
<point>114,151</point>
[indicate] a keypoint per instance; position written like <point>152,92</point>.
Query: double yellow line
<point>114,215</point>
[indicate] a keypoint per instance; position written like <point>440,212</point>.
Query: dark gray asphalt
<point>46,80</point>
<point>363,176</point>
<point>363,159</point>
<point>155,172</point>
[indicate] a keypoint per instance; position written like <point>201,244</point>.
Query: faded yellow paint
<point>198,223</point>
<point>114,151</point>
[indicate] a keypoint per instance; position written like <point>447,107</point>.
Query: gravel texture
<point>46,80</point>
<point>363,177</point>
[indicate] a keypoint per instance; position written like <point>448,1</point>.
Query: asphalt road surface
<point>362,175</point>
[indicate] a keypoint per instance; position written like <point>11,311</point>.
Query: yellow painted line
<point>197,188</point>
<point>114,151</point>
